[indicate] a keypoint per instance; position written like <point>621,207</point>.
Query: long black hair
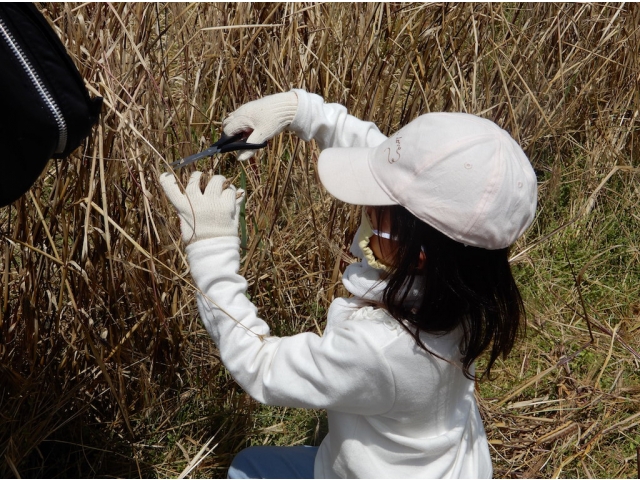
<point>464,286</point>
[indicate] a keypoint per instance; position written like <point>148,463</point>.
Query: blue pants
<point>274,462</point>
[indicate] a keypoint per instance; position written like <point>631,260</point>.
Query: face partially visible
<point>383,248</point>
<point>386,249</point>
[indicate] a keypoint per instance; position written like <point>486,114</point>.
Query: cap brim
<point>346,175</point>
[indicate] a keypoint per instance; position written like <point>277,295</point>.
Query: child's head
<point>462,285</point>
<point>461,174</point>
<point>457,191</point>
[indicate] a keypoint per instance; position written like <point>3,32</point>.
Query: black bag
<point>45,109</point>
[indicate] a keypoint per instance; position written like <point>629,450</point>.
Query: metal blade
<point>212,150</point>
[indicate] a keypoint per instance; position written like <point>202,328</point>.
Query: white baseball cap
<point>459,173</point>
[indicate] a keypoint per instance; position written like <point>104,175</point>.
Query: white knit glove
<point>214,213</point>
<point>264,118</point>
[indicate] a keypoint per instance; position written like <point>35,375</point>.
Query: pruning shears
<point>225,144</point>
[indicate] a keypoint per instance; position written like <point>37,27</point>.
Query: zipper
<point>37,82</point>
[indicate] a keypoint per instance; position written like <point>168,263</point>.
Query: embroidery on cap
<point>398,148</point>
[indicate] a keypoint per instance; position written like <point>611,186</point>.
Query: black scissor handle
<point>236,142</point>
<point>226,143</point>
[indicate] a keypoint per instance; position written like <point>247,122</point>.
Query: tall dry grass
<point>105,368</point>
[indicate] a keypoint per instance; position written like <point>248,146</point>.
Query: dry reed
<point>105,368</point>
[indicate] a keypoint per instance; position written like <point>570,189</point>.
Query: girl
<point>445,197</point>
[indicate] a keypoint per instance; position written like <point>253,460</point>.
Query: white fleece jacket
<point>394,410</point>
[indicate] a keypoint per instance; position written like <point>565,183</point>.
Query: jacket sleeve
<point>330,125</point>
<point>343,370</point>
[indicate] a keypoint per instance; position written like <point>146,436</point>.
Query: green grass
<point>600,250</point>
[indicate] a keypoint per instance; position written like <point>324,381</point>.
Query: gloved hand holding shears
<point>249,127</point>
<point>261,119</point>
<point>215,212</point>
